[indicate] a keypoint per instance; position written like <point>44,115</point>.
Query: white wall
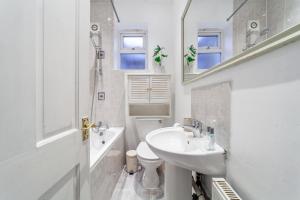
<point>199,17</point>
<point>155,16</point>
<point>265,123</point>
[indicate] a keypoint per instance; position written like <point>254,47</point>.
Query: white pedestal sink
<point>182,155</point>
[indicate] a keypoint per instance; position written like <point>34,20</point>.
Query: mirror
<point>220,33</point>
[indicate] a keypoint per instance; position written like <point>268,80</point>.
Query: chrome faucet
<point>196,128</point>
<point>100,128</point>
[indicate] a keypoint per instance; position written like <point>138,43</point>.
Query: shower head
<point>95,35</point>
<point>95,27</point>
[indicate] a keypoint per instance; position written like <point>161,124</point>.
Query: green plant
<point>159,55</point>
<point>190,56</point>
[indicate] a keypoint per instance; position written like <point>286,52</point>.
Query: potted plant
<point>190,57</point>
<point>159,56</point>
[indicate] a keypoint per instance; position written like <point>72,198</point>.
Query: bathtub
<point>107,159</point>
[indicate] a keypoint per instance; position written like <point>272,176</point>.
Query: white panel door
<point>44,94</point>
<point>160,89</point>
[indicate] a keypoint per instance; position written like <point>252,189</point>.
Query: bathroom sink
<point>174,146</point>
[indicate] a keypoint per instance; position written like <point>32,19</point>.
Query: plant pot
<point>188,68</point>
<point>160,69</point>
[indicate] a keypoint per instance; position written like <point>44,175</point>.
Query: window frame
<point>123,50</point>
<point>219,49</point>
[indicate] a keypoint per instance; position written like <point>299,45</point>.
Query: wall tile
<point>112,110</point>
<point>213,103</point>
<point>252,10</point>
<point>276,15</point>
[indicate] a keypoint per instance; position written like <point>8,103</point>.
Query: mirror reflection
<point>217,30</point>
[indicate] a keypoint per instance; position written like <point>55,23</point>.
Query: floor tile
<point>129,188</point>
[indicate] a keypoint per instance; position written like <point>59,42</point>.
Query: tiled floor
<point>129,188</point>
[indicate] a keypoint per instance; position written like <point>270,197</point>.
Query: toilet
<point>146,157</point>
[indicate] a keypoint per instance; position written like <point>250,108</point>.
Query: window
<point>209,44</point>
<point>133,53</point>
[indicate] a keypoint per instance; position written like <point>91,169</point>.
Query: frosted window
<point>133,42</point>
<point>208,41</point>
<point>208,60</point>
<point>133,53</point>
<point>133,61</point>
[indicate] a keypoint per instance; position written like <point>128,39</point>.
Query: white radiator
<point>221,190</point>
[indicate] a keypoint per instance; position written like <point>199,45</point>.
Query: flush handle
<point>86,125</point>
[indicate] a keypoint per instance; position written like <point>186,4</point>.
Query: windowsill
<point>197,71</point>
<point>132,70</point>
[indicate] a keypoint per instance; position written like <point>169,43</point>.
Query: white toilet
<point>147,158</point>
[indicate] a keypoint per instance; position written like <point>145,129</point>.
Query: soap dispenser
<point>211,139</point>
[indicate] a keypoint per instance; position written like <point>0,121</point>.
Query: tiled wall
<point>112,109</point>
<point>252,10</point>
<point>106,173</point>
<point>213,103</point>
<point>282,14</point>
<point>276,15</point>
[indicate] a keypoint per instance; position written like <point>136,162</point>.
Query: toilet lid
<point>145,152</point>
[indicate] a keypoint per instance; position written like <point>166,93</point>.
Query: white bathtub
<point>107,160</point>
<point>100,145</point>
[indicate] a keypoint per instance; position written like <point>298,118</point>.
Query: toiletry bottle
<point>208,131</point>
<point>211,140</point>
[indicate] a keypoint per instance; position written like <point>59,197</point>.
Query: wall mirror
<point>217,34</point>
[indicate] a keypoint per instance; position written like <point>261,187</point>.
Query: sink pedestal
<point>178,183</point>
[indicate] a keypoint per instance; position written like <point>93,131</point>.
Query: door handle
<point>86,125</point>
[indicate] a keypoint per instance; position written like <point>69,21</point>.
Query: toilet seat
<point>144,152</point>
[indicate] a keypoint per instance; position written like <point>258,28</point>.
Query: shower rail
<point>236,10</point>
<point>115,11</point>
